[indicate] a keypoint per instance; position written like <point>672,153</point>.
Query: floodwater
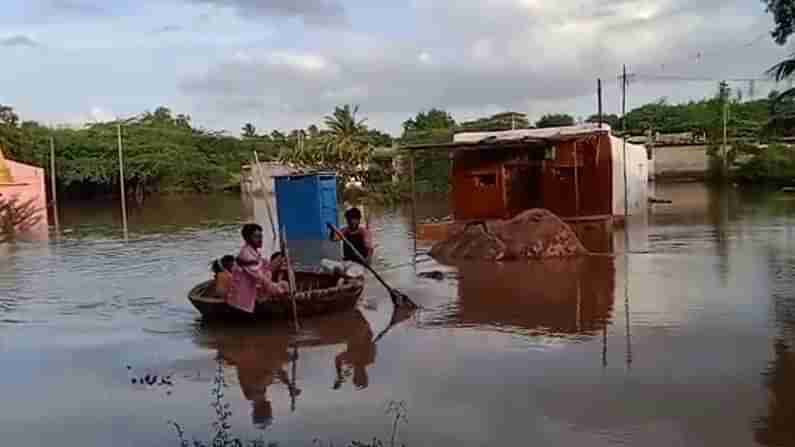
<point>683,339</point>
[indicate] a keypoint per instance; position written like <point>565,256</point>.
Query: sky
<point>284,64</point>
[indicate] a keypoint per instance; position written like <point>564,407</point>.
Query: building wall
<point>500,184</point>
<point>478,185</point>
<point>680,161</point>
<point>637,176</point>
<point>593,178</point>
<point>29,184</point>
<point>250,181</point>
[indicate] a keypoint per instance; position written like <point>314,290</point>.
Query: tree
<point>10,135</point>
<point>783,12</point>
<point>432,119</point>
<point>555,120</point>
<point>248,131</point>
<point>344,146</point>
<point>498,122</point>
<point>612,120</point>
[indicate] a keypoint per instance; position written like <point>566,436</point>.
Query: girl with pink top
<point>252,276</point>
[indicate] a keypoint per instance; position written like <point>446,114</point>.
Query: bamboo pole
<point>290,277</point>
<point>121,183</point>
<point>53,188</point>
<point>413,208</point>
<point>261,177</point>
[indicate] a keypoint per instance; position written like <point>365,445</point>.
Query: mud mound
<point>533,234</point>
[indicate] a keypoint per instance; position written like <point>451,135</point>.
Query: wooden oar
<point>398,298</point>
<point>290,277</point>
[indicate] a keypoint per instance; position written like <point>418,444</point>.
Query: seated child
<point>222,275</point>
<point>278,267</point>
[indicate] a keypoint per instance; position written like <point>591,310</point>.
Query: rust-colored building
<point>575,172</point>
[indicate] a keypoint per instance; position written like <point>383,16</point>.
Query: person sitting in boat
<point>252,277</point>
<point>222,275</point>
<point>358,236</point>
<point>278,267</point>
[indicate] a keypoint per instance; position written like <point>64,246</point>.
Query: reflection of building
<point>26,183</point>
<point>572,297</point>
<point>778,427</point>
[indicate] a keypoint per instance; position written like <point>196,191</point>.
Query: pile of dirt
<point>533,234</point>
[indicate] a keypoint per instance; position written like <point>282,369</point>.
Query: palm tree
<point>781,110</point>
<point>346,143</point>
<point>249,131</point>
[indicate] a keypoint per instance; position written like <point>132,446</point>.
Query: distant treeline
<point>166,152</point>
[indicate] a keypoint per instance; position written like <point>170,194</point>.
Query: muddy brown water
<point>686,340</point>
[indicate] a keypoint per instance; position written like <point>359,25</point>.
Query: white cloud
<point>235,61</point>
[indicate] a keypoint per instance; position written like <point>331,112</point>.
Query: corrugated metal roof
<point>550,133</point>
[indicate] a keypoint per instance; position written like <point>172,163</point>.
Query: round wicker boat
<point>318,294</point>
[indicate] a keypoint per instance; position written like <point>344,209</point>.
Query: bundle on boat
<point>533,234</point>
<point>317,293</point>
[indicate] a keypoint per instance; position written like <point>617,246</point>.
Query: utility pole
<point>53,188</point>
<point>599,99</point>
<point>624,139</point>
<point>725,136</point>
<point>121,183</point>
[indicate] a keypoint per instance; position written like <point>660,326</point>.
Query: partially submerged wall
<point>637,177</point>
<point>28,184</point>
<point>677,162</point>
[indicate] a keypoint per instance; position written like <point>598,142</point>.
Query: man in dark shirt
<point>357,235</point>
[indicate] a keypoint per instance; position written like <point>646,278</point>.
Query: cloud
<point>316,12</point>
<point>18,41</point>
<point>527,55</point>
<point>287,63</point>
<point>167,29</point>
<point>77,7</point>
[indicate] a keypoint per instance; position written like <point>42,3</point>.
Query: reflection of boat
<point>318,294</point>
<point>261,355</point>
<point>571,297</point>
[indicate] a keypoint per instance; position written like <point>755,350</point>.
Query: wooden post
<point>121,183</point>
<point>261,177</point>
<point>628,358</point>
<point>290,277</point>
<point>53,188</point>
<point>576,183</point>
<point>413,207</point>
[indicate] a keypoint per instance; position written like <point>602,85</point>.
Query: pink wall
<point>28,184</point>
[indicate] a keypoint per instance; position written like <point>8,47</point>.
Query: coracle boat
<point>316,294</point>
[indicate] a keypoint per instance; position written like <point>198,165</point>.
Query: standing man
<point>358,236</point>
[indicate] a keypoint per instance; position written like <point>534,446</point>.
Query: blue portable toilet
<point>305,202</point>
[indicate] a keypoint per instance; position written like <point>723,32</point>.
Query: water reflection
<point>557,298</point>
<point>270,356</point>
<point>776,428</point>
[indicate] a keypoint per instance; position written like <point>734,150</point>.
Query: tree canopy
<point>783,12</point>
<point>555,120</point>
<point>500,121</point>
